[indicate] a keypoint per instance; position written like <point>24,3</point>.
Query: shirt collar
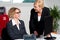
<point>14,23</point>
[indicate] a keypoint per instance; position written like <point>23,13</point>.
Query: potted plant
<point>55,13</point>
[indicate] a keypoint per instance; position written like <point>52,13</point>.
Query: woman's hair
<point>40,3</point>
<point>11,12</point>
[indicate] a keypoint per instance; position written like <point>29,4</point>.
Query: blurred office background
<point>26,6</point>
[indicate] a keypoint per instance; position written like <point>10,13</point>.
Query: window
<point>6,0</point>
<point>18,1</point>
<point>29,1</point>
<point>0,0</point>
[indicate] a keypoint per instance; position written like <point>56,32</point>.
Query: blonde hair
<point>40,3</point>
<point>11,12</point>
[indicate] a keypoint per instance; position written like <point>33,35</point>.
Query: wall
<point>25,11</point>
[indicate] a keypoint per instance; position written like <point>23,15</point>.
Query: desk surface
<point>54,35</point>
<point>37,39</point>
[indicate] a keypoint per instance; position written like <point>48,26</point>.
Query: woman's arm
<point>47,11</point>
<point>23,27</point>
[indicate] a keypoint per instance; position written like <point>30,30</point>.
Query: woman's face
<point>17,14</point>
<point>36,7</point>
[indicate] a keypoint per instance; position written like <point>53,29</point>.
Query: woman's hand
<point>36,33</point>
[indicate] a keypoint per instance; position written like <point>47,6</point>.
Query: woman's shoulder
<point>21,20</point>
<point>32,9</point>
<point>45,8</point>
<point>10,22</point>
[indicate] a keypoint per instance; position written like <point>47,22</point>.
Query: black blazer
<point>13,31</point>
<point>34,24</point>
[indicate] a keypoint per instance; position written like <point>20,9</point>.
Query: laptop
<point>29,37</point>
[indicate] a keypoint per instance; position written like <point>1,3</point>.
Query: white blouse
<point>14,23</point>
<point>39,17</point>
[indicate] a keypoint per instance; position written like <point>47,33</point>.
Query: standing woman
<point>37,16</point>
<point>15,27</point>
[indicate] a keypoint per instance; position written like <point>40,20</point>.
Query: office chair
<point>3,21</point>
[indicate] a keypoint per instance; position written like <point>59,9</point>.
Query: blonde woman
<point>15,27</point>
<point>37,16</point>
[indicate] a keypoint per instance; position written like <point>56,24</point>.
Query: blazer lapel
<point>42,16</point>
<point>20,26</point>
<point>14,27</point>
<point>36,16</point>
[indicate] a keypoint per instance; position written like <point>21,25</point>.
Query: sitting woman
<point>15,27</point>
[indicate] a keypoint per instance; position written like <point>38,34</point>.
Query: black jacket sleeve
<point>31,22</point>
<point>10,31</point>
<point>24,30</point>
<point>46,11</point>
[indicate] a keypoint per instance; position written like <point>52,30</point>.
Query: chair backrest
<point>3,19</point>
<point>2,10</point>
<point>29,37</point>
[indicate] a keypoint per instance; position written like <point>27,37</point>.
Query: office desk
<point>54,35</point>
<point>36,39</point>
